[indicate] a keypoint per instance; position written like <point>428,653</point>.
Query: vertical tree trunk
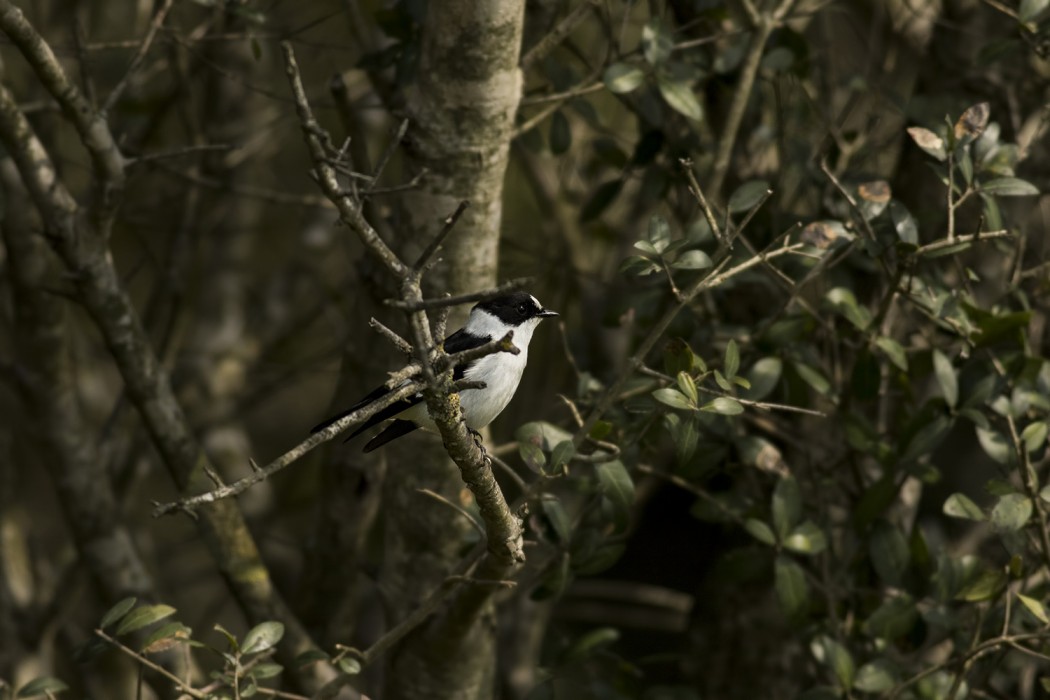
<point>461,113</point>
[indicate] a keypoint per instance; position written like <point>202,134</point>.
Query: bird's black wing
<point>457,342</point>
<point>460,341</point>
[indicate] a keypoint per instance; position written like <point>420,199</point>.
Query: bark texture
<point>461,111</point>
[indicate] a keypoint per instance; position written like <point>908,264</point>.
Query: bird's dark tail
<point>393,431</point>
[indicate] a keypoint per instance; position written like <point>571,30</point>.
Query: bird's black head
<point>515,309</point>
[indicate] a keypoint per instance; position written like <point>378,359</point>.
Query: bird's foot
<point>477,439</point>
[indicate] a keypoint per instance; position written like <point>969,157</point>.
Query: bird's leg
<point>477,439</point>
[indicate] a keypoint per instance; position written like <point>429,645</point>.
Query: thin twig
<point>391,148</point>
<point>561,30</point>
<point>400,343</point>
<point>191,503</point>
<point>698,193</point>
<point>420,614</point>
<point>432,248</point>
<point>178,152</point>
<point>961,241</point>
<point>138,58</point>
<point>459,509</point>
<point>139,658</point>
<point>423,304</point>
<point>349,211</point>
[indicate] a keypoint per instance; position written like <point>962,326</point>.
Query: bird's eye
<point>521,309</point>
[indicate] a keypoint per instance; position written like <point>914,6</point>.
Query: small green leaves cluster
<point>595,542</point>
<point>690,373</point>
<point>658,251</point>
<point>673,79</point>
<point>145,630</point>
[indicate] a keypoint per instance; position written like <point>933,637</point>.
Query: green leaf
<point>749,194</point>
<point>622,78</point>
<point>722,382</point>
<point>845,302</point>
<point>836,657</point>
<point>349,665</point>
<point>786,506</point>
<point>904,223</point>
<point>117,611</point>
<point>760,531</point>
<point>560,455</point>
<point>732,359</point>
<point>165,637</point>
<point>889,552</point>
<point>894,351</point>
<point>1030,9</point>
<point>985,586</point>
<point>532,455</point>
<point>995,445</point>
<point>929,142</point>
<point>674,399</point>
<point>813,377</point>
<point>680,96</point>
<point>1035,607</point>
<point>601,430</point>
<point>972,123</point>
<point>310,656</point>
<point>687,386</point>
<point>1009,187</point>
<point>959,505</point>
<point>618,487</point>
<point>143,616</point>
<point>41,686</point>
<point>877,676</point>
<point>230,639</point>
<point>592,642</point>
<point>764,376</point>
<point>807,538</point>
<point>1034,435</point>
<point>725,406</point>
<point>926,439</point>
<point>761,453</point>
<point>946,377</point>
<point>692,260</point>
<point>657,43</point>
<point>678,357</point>
<point>1011,512</point>
<point>265,670</point>
<point>557,517</point>
<point>893,619</point>
<point>659,232</point>
<point>561,133</point>
<point>263,636</point>
<point>792,589</point>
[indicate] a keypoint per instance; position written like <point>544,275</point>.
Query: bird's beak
<point>546,313</point>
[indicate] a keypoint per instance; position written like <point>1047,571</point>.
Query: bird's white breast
<point>501,372</point>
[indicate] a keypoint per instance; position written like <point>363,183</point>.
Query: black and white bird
<point>500,372</point>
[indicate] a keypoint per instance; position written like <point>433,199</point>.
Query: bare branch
<point>432,248</point>
<point>349,211</point>
<point>93,129</point>
<point>561,30</point>
<point>241,485</point>
<point>400,343</point>
<point>138,58</point>
<point>499,291</point>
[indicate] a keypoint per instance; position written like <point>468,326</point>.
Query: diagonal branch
<point>92,128</point>
<point>349,211</point>
<point>502,527</point>
<point>85,252</point>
